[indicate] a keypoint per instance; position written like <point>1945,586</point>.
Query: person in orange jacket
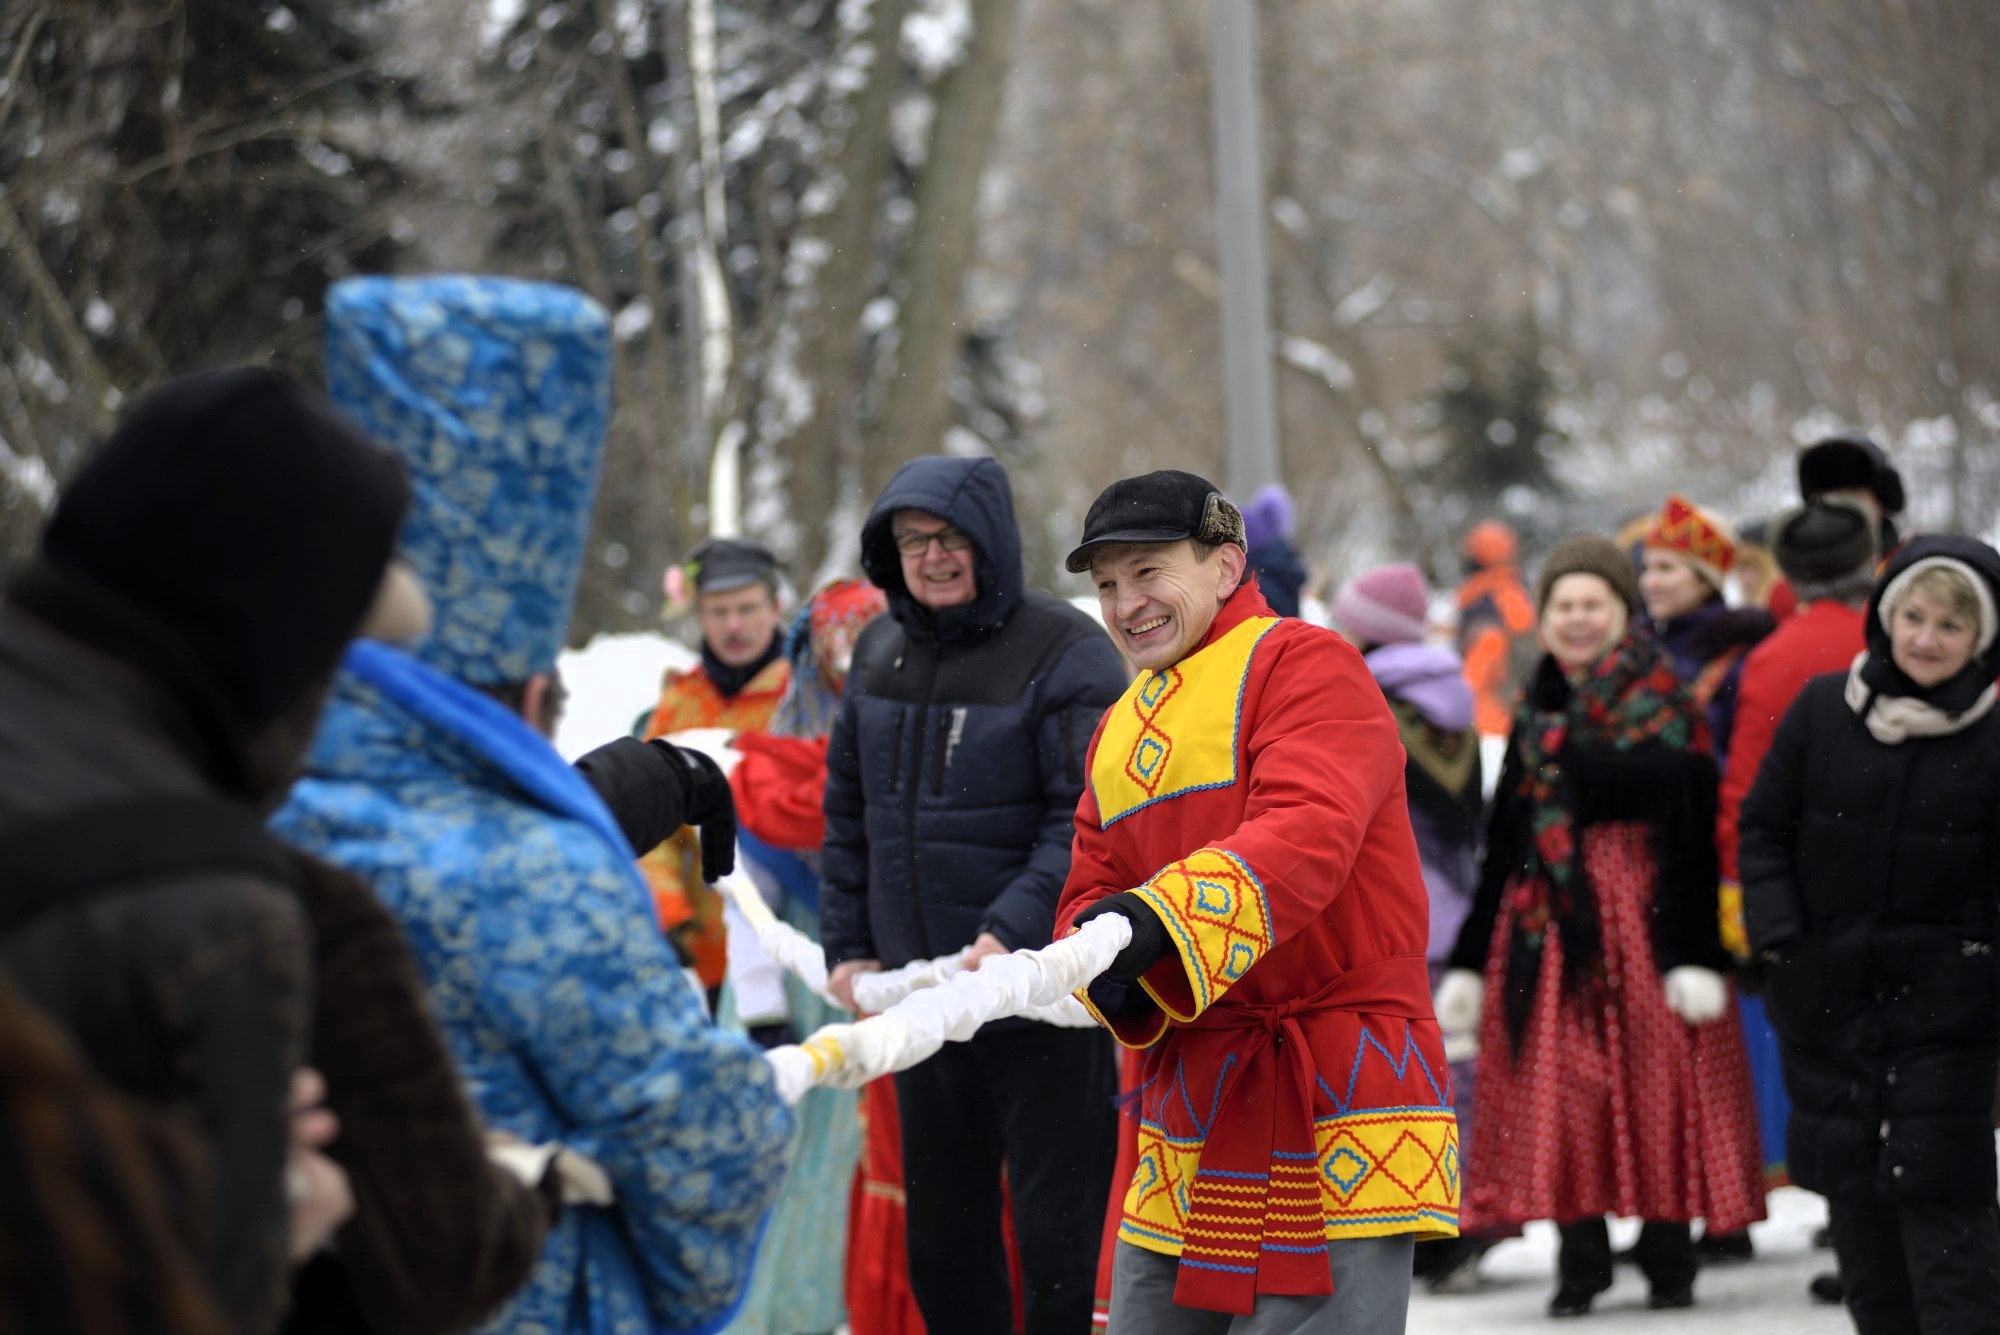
<point>741,677</point>
<point>1493,617</point>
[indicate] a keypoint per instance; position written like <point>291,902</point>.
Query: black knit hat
<point>1850,461</point>
<point>1830,539</point>
<point>721,564</point>
<point>248,518</point>
<point>1589,554</point>
<point>1165,506</point>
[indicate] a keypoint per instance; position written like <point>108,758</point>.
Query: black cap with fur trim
<point>1590,554</point>
<point>1164,506</point>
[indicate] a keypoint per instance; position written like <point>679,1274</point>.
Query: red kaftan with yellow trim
<point>1295,1089</point>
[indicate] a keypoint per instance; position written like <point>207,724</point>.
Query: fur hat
<point>1830,539</point>
<point>1386,605</point>
<point>1694,535</point>
<point>1589,554</point>
<point>1850,462</point>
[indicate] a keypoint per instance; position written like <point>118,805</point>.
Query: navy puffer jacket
<point>957,757</point>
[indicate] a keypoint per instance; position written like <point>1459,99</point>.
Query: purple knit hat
<point>1386,605</point>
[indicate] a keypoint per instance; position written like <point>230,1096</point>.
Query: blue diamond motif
<point>1213,897</point>
<point>1451,1167</point>
<point>1181,1199</point>
<point>1155,687</point>
<point>1148,756</point>
<point>1345,1169</point>
<point>1241,957</point>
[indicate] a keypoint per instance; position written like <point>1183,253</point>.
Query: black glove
<point>654,788</point>
<point>1150,943</point>
<point>711,810</point>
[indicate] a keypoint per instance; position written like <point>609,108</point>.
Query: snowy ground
<point>1766,1296</point>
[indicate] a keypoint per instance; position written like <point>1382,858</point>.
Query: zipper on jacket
<point>948,739</point>
<point>896,755</point>
<point>923,711</point>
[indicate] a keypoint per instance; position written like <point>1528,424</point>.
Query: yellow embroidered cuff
<point>1215,912</point>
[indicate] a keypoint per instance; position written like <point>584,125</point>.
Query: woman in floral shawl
<point>1609,1065</point>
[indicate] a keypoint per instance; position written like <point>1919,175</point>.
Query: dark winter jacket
<point>957,757</point>
<point>440,1235</point>
<point>1870,878</point>
<point>188,989</point>
<point>1280,575</point>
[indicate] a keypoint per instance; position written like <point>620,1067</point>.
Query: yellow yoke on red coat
<point>688,910</point>
<point>1295,1089</point>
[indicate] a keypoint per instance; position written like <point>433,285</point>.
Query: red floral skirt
<point>1611,1104</point>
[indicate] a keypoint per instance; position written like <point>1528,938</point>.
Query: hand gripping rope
<point>927,1004</point>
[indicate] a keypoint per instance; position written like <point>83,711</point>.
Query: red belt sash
<point>1259,1172</point>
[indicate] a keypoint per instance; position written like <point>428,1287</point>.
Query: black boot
<point>1724,1248</point>
<point>1583,1267</point>
<point>1666,1254</point>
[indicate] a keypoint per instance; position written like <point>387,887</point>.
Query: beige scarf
<point>1892,719</point>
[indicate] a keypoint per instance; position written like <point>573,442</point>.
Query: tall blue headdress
<point>496,393</point>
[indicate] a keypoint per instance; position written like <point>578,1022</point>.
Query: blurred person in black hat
<point>1827,550</point>
<point>162,675</point>
<point>953,773</point>
<point>737,685</point>
<point>1853,465</point>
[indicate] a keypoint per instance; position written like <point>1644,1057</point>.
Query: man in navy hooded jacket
<point>953,775</point>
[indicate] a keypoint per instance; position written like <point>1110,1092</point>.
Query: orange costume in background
<point>1295,1091</point>
<point>689,911</point>
<point>1493,615</point>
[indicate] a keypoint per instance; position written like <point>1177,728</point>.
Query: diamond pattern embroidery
<point>1147,766</point>
<point>1345,1168</point>
<point>1221,922</point>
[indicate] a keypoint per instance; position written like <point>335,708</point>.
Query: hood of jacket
<point>1881,674</point>
<point>973,495</point>
<point>1428,677</point>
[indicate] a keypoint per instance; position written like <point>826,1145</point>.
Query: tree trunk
<point>916,408</point>
<point>824,453</point>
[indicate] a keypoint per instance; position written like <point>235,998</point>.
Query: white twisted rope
<point>924,1005</point>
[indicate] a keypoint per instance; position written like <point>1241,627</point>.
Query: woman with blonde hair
<point>1871,889</point>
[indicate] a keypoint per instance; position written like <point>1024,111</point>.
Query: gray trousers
<point>1371,1296</point>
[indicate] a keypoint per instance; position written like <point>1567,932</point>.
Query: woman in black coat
<point>1871,869</point>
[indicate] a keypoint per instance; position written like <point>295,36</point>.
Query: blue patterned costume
<point>563,1006</point>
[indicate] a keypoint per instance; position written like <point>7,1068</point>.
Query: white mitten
<point>1458,1000</point>
<point>1696,994</point>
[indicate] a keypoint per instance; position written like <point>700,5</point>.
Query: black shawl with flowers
<point>1626,743</point>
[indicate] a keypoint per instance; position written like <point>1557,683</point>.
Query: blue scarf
<point>495,734</point>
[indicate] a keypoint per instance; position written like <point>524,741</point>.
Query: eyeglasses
<point>910,542</point>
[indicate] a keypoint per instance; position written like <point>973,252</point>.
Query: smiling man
<point>954,767</point>
<point>737,685</point>
<point>1246,813</point>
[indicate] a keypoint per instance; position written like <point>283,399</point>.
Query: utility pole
<point>1249,394</point>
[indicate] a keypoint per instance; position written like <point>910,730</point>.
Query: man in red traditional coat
<point>1246,813</point>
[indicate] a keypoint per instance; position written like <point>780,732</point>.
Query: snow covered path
<point>1767,1296</point>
